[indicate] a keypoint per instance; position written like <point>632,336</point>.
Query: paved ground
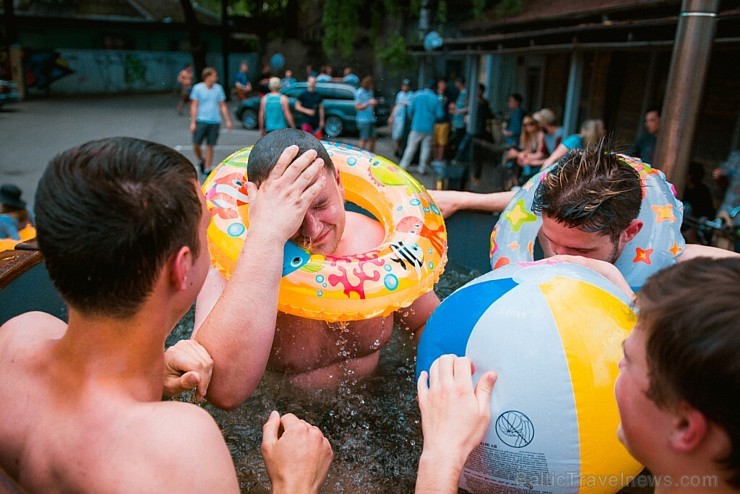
<point>32,132</point>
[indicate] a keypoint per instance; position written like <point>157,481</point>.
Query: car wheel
<point>333,126</point>
<point>249,119</point>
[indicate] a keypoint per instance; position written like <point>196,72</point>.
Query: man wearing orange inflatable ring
<point>311,353</point>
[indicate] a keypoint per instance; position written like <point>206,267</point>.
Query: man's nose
<point>311,226</point>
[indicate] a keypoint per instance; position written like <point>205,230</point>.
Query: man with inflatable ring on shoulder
<point>311,353</point>
<point>580,179</point>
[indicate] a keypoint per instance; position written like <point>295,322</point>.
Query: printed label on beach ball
<point>553,333</point>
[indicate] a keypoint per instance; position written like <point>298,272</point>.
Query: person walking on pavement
<point>310,103</point>
<point>441,134</point>
<point>399,119</point>
<point>274,110</point>
<point>425,109</point>
<point>365,103</point>
<point>185,79</point>
<point>208,99</point>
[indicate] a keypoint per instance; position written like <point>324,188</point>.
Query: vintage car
<point>339,108</point>
<point>8,92</point>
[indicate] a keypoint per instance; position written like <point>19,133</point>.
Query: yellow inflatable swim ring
<point>26,234</point>
<point>404,266</point>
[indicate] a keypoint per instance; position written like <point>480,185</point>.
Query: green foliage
<point>442,14</point>
<point>509,7</point>
<point>339,22</point>
<point>394,54</point>
<point>479,7</point>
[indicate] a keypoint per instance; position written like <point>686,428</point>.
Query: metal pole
<point>424,15</point>
<point>474,67</point>
<point>573,95</point>
<point>689,63</point>
<point>225,40</point>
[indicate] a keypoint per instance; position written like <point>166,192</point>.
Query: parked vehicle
<point>340,116</point>
<point>8,92</point>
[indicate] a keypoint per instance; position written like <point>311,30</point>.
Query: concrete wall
<point>124,71</point>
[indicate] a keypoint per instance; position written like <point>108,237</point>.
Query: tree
<point>197,48</point>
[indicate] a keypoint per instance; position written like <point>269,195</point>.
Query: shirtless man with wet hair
<point>122,227</point>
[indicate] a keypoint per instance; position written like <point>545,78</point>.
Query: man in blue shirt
<point>207,101</point>
<point>459,113</point>
<point>514,126</point>
<point>425,109</point>
<point>350,77</point>
<point>242,86</point>
<point>365,103</point>
<point>644,147</point>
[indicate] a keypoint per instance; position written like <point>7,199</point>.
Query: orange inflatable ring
<point>404,266</point>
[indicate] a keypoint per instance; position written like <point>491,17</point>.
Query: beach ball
<point>277,61</point>
<point>553,333</point>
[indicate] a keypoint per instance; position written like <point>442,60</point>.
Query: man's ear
<point>631,231</point>
<point>339,184</point>
<point>180,266</point>
<point>689,428</point>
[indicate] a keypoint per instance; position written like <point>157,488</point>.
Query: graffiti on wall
<point>43,67</point>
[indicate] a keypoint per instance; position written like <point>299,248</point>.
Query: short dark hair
<point>265,153</point>
<point>518,97</point>
<point>690,314</point>
<point>108,214</point>
<point>592,190</point>
<point>656,108</point>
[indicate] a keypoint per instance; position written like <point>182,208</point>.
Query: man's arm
<point>286,111</point>
<point>414,317</point>
<point>321,115</point>
<point>8,227</point>
<point>697,250</point>
<point>261,116</point>
<point>454,419</point>
<point>193,114</point>
<point>556,155</point>
<point>451,201</point>
<point>302,109</point>
<point>237,325</point>
<point>225,114</point>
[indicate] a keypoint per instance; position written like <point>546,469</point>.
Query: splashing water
<point>374,426</point>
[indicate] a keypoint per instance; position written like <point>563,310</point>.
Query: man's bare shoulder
<point>28,329</point>
<point>122,446</point>
<point>362,233</point>
<point>184,443</point>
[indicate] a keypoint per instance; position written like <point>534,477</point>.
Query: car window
<point>293,91</point>
<point>337,93</point>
